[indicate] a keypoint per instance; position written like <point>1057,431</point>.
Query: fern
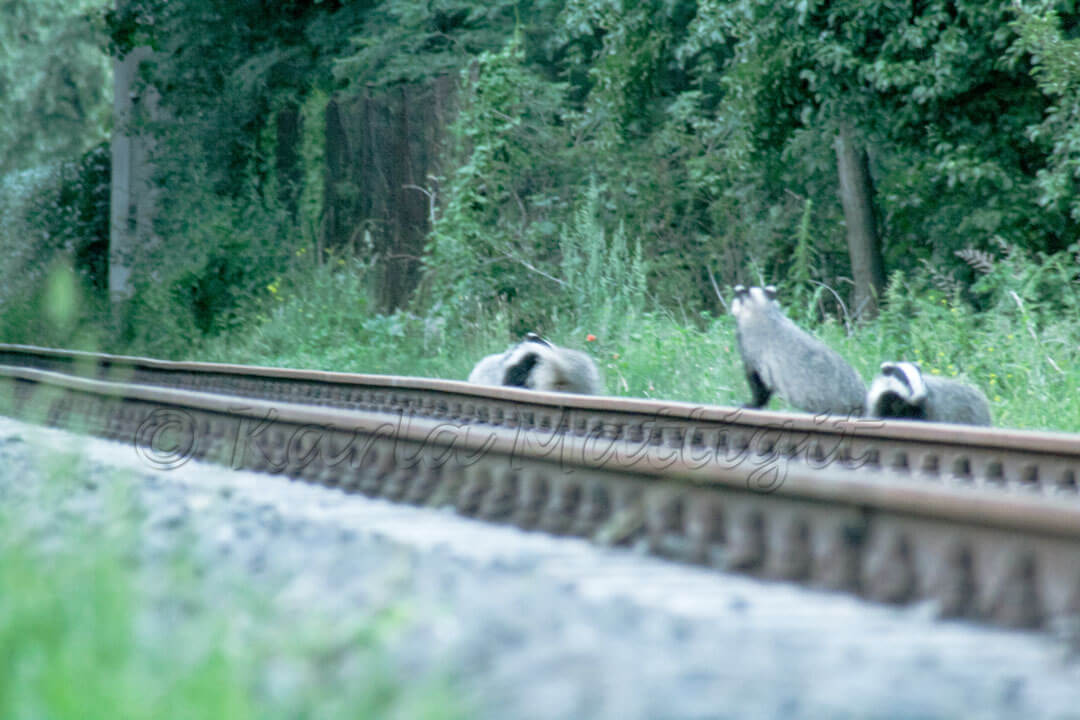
<point>979,260</point>
<point>945,282</point>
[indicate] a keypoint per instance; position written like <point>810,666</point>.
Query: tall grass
<point>1014,332</point>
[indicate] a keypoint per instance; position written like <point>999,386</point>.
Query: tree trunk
<point>864,244</point>
<point>132,192</point>
<point>381,154</point>
<point>290,174</point>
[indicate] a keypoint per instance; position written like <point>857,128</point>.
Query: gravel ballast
<point>530,626</point>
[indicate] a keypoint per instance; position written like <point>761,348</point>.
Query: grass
<point>88,632</point>
<point>1021,349</point>
<point>1024,361</point>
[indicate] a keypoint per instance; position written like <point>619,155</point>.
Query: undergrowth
<point>1010,326</point>
<point>1011,330</point>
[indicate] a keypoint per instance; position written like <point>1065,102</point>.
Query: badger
<point>781,357</point>
<point>491,370</point>
<point>902,391</point>
<point>537,364</point>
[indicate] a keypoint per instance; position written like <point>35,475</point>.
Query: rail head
<point>751,472</point>
<point>1058,444</point>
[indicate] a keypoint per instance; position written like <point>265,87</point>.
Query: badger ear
<point>534,338</point>
<point>888,368</point>
<point>740,290</point>
<point>770,292</point>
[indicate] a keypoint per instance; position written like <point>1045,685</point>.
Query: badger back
<point>956,402</point>
<point>816,378</point>
<point>489,371</point>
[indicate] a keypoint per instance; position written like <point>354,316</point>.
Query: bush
<point>211,269</point>
<point>55,233</point>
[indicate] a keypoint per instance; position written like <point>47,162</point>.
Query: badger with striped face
<point>537,364</point>
<point>903,391</point>
<point>491,370</point>
<point>781,357</point>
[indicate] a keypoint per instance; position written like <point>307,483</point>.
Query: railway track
<point>979,523</point>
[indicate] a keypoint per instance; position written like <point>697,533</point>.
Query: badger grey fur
<point>902,391</point>
<point>781,357</point>
<point>537,364</point>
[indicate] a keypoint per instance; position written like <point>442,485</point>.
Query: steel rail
<point>1012,559</point>
<point>1006,460</point>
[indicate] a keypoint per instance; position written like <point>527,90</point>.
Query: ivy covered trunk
<point>381,152</point>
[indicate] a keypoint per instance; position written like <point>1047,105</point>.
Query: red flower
<point>590,337</point>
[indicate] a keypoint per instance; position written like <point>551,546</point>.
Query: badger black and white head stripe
<point>521,365</point>
<point>903,391</point>
<point>539,365</point>
<point>755,297</point>
<point>910,375</point>
<point>531,337</point>
<point>522,361</point>
<point>737,303</point>
<point>898,392</point>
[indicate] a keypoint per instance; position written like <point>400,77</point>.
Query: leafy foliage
<point>55,225</point>
<point>604,280</point>
<point>54,78</point>
<point>707,127</point>
<point>403,41</point>
<point>494,235</point>
<point>1056,69</point>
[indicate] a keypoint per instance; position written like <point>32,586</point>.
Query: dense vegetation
<point>594,167</point>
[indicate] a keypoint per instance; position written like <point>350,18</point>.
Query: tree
<point>55,81</point>
<point>941,93</point>
<point>864,242</point>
